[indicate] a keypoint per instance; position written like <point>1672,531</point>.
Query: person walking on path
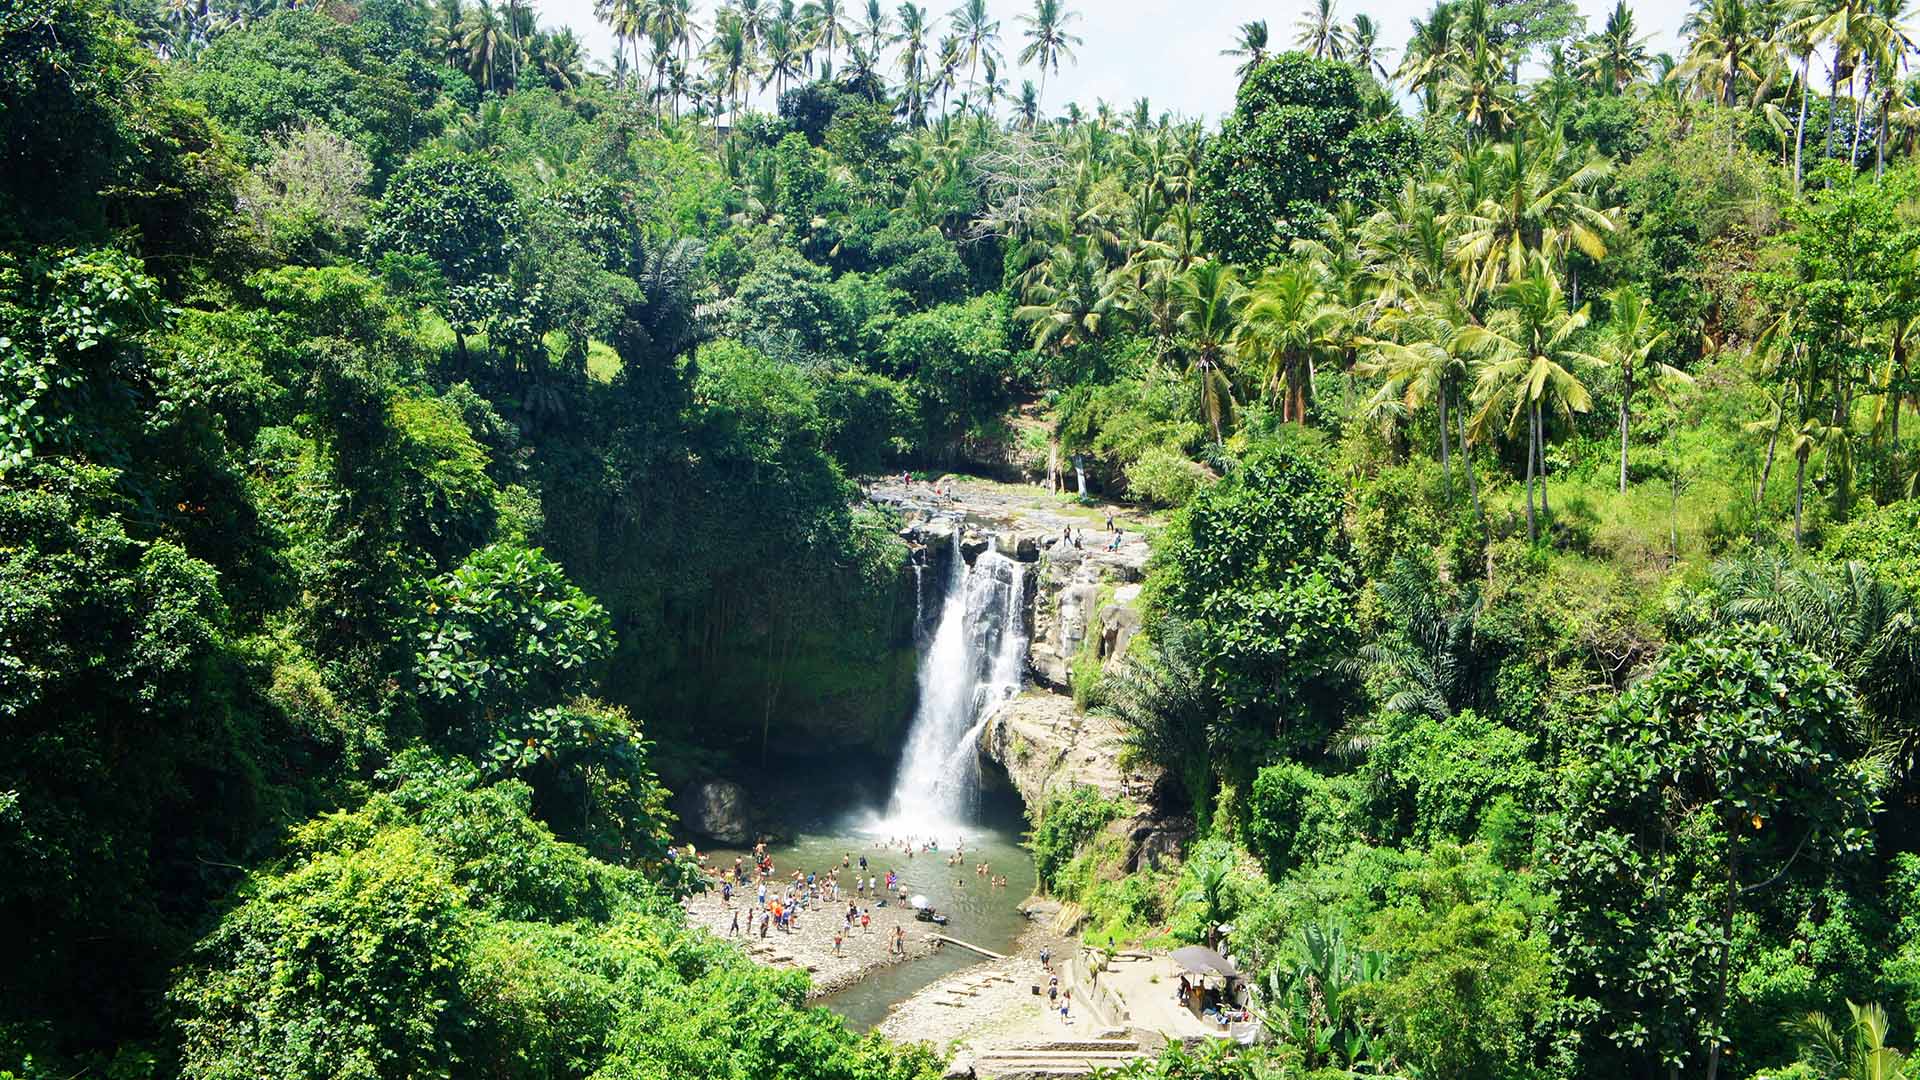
<point>735,931</point>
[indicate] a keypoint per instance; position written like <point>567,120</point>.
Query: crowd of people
<point>763,899</point>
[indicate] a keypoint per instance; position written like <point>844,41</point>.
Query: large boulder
<point>716,810</point>
<point>972,545</point>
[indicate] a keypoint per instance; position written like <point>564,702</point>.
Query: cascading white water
<point>974,663</point>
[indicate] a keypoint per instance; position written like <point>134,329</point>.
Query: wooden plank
<point>989,953</point>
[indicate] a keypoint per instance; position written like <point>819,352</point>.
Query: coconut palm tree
<point>1365,50</point>
<point>1421,359</point>
<point>1630,341</point>
<point>1840,24</point>
<point>875,31</point>
<point>1029,108</point>
<point>1535,199</point>
<point>1069,296</point>
<point>912,63</point>
<point>730,59</point>
<point>1480,88</point>
<point>1528,368</point>
<point>562,61</point>
<point>1431,53</point>
<point>1250,47</point>
<point>783,58</point>
<point>1724,46</point>
<point>979,34</point>
<point>447,26</point>
<point>1289,324</point>
<point>826,23</point>
<point>484,39</point>
<point>1891,40</point>
<point>1320,34</point>
<point>1617,55</point>
<point>1210,297</point>
<point>946,68</point>
<point>1048,39</point>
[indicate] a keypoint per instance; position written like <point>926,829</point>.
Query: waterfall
<point>973,663</point>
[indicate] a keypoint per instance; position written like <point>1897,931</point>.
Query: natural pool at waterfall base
<point>978,913</point>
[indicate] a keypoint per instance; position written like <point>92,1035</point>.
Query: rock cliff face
<point>716,810</point>
<point>1084,613</point>
<point>1086,610</point>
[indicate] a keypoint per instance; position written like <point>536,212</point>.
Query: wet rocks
<point>717,810</point>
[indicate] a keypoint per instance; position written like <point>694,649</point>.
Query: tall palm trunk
<point>1626,409</point>
<point>1766,470</point>
<point>1466,462</point>
<point>1833,99</point>
<point>1533,436</point>
<point>1800,128</point>
<point>1540,451</point>
<point>1446,463</point>
<point>1853,154</point>
<point>1799,490</point>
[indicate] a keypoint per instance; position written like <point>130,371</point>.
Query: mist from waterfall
<point>973,663</point>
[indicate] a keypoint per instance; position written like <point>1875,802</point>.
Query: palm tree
<point>912,62</point>
<point>1724,46</point>
<point>1069,296</point>
<point>754,20</point>
<point>446,28</point>
<point>1839,23</point>
<point>1210,297</point>
<point>1212,890</point>
<point>979,36</point>
<point>729,57</point>
<point>1528,368</point>
<point>783,60</point>
<point>1481,89</point>
<point>1617,55</point>
<point>484,38</point>
<point>1430,53</point>
<point>1164,711</point>
<point>1320,34</point>
<point>1029,107</point>
<point>1795,41</point>
<point>1424,659</point>
<point>826,22</point>
<point>1426,365</point>
<point>1289,323</point>
<point>1367,53</point>
<point>875,30</point>
<point>1893,44</point>
<point>1535,201</point>
<point>1857,1052</point>
<point>1630,342</point>
<point>946,71</point>
<point>1850,614</point>
<point>1251,47</point>
<point>1048,40</point>
<point>562,62</point>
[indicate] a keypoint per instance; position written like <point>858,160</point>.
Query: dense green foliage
<point>418,454</point>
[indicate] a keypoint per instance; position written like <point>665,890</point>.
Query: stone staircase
<point>1057,1058</point>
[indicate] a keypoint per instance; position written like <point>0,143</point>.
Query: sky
<point>1168,52</point>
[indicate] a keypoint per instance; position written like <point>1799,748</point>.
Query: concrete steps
<point>1055,1058</point>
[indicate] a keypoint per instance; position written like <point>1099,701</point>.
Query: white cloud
<point>1167,52</point>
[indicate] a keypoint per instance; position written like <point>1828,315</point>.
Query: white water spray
<point>974,663</point>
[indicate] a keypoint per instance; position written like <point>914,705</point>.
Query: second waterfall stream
<point>974,662</point>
